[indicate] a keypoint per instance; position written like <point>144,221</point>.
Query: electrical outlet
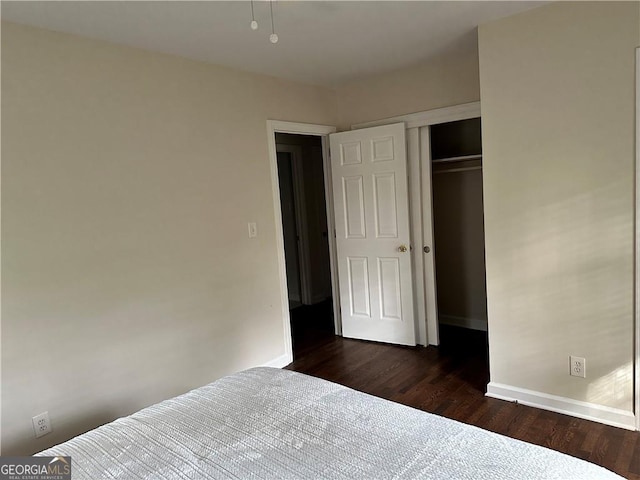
<point>253,229</point>
<point>41,424</point>
<point>577,367</point>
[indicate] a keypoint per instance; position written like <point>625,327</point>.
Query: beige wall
<point>128,181</point>
<point>557,89</point>
<point>441,82</point>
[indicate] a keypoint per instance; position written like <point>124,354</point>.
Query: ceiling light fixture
<point>254,24</point>
<point>273,38</point>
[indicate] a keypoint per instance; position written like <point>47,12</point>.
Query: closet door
<point>428,248</point>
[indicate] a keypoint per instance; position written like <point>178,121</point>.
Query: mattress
<point>271,423</point>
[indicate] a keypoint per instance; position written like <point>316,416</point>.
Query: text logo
<point>35,468</point>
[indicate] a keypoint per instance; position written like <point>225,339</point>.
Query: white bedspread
<point>271,423</point>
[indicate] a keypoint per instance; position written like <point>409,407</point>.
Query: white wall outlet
<point>253,229</point>
<point>577,367</point>
<point>41,424</point>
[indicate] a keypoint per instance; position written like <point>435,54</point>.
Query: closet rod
<point>457,159</point>
<point>463,169</point>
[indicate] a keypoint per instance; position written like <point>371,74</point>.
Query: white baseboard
<point>472,323</point>
<point>280,362</point>
<point>588,411</point>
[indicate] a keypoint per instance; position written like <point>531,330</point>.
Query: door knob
<point>402,248</point>
<point>426,249</point>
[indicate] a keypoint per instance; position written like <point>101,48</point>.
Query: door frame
<point>419,154</point>
<point>322,131</point>
<point>637,247</point>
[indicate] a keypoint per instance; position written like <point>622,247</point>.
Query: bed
<point>272,423</point>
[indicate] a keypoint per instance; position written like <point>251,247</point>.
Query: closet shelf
<point>462,158</point>
<point>451,170</point>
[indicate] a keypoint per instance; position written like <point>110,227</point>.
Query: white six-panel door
<point>369,176</point>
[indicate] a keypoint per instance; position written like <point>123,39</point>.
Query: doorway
<point>306,240</point>
<point>458,234</point>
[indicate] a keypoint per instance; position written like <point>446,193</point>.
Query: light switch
<point>253,230</point>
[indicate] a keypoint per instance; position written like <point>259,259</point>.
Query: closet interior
<point>458,221</point>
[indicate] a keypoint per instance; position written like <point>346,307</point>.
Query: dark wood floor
<point>451,380</point>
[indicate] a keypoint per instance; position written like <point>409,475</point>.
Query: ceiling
<point>321,42</point>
